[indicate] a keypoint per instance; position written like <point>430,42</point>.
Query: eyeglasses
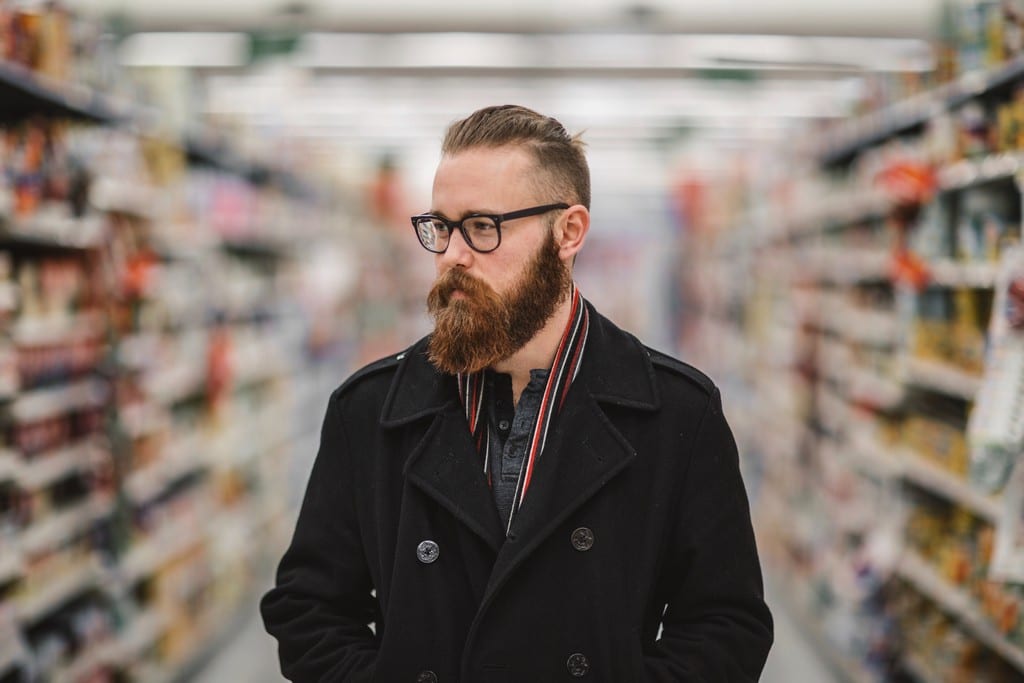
<point>482,232</point>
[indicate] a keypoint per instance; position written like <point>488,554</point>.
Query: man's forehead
<point>486,174</point>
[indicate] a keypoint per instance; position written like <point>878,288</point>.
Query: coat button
<point>426,677</point>
<point>578,665</point>
<point>427,552</point>
<point>582,539</point>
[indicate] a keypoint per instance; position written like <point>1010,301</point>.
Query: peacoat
<point>632,559</point>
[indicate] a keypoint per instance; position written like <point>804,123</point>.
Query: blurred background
<point>204,229</point>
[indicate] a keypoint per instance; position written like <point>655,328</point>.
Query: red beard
<point>482,328</point>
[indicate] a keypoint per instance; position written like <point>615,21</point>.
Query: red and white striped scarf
<point>564,368</point>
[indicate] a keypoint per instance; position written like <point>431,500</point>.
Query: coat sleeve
<point>716,626</point>
<point>321,605</point>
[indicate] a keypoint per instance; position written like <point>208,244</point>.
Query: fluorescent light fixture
<point>599,50</point>
<point>184,49</point>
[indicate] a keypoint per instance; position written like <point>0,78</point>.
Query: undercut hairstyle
<point>564,175</point>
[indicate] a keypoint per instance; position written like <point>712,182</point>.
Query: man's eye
<point>479,224</point>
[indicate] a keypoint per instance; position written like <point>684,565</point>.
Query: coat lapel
<point>444,464</point>
<point>584,452</point>
<point>447,468</point>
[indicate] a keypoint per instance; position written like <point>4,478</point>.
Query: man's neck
<point>538,353</point>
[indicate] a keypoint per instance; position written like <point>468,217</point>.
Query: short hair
<point>557,154</point>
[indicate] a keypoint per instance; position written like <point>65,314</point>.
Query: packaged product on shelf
<point>996,426</point>
<point>971,23</point>
<point>937,648</point>
<point>977,132</point>
<point>37,36</point>
<point>988,221</point>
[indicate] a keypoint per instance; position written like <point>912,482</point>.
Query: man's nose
<point>458,252</point>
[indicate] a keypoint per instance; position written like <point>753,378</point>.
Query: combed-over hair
<point>564,175</point>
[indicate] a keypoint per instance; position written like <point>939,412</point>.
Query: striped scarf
<point>564,368</point>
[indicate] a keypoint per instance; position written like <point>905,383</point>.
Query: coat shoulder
<point>380,368</point>
<point>665,363</point>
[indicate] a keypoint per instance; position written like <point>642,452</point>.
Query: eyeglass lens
<point>480,232</point>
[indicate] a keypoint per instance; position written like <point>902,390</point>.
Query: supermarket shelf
<point>180,381</point>
<point>978,83</point>
<point>208,151</point>
<point>869,387</point>
<point>265,248</point>
<point>145,484</point>
<point>57,527</point>
<point>10,465</point>
<point>866,326</point>
<point>949,273</point>
<point>58,330</point>
<point>905,117</point>
<point>218,155</point>
<point>959,604</point>
<point>12,565</point>
<point>943,378</point>
<point>848,266</point>
<point>136,635</point>
<point>918,668</point>
<point>870,456</point>
<point>12,652</point>
<point>47,468</point>
<point>122,197</point>
<point>163,546</point>
<point>948,485</point>
<point>61,235</point>
<point>911,115</point>
<point>57,592</point>
<point>25,93</point>
<point>40,404</point>
<point>972,172</point>
<point>904,463</point>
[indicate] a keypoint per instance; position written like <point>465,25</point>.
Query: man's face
<point>487,306</point>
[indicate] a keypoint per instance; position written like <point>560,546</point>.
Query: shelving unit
<point>149,379</point>
<point>863,324</point>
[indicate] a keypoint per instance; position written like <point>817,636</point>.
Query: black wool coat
<point>632,559</point>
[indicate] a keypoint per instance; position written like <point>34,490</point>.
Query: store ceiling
<point>642,78</point>
<point>900,18</point>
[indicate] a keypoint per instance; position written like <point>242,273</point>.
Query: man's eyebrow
<point>474,212</point>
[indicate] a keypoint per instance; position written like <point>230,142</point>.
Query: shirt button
<point>503,425</point>
<point>582,539</point>
<point>578,665</point>
<point>426,677</point>
<point>427,552</point>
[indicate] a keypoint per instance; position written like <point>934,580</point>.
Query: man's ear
<point>573,230</point>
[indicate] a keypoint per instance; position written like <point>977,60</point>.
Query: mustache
<point>454,280</point>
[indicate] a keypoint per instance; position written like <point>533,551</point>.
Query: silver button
<point>426,677</point>
<point>503,425</point>
<point>578,665</point>
<point>582,539</point>
<point>427,552</point>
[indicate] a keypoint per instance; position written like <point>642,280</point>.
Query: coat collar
<point>616,370</point>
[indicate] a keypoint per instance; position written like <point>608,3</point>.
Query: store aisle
<point>792,657</point>
<point>250,656</point>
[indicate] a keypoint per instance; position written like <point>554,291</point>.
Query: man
<point>529,494</point>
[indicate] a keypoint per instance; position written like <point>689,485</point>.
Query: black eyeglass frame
<point>497,218</point>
